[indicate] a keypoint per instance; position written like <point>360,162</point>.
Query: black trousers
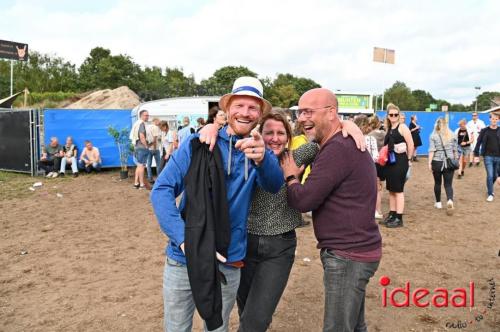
<point>264,277</point>
<point>439,176</point>
<point>52,165</point>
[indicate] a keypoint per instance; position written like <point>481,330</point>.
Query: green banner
<point>353,101</point>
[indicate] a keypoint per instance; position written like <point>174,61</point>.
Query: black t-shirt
<point>463,136</point>
<point>492,147</point>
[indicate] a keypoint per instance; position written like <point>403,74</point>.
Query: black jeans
<point>50,165</point>
<point>439,175</point>
<point>264,277</point>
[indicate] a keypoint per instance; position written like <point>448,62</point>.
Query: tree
<point>221,82</point>
<point>178,84</point>
<point>484,101</point>
<point>423,99</point>
<point>286,89</point>
<point>400,95</point>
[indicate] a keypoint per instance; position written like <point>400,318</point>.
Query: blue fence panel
<point>427,119</point>
<point>88,125</point>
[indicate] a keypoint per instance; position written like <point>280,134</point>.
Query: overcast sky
<point>444,47</point>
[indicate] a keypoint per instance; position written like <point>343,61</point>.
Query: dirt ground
<point>91,259</point>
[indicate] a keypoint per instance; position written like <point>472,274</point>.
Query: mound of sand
<point>119,98</point>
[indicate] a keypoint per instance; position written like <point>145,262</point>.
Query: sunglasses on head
<point>393,115</point>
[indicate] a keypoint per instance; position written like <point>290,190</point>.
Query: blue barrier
<point>427,119</point>
<point>88,125</point>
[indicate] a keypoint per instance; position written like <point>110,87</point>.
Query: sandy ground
<point>92,260</point>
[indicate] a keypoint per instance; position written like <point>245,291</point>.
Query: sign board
<point>433,106</point>
<point>383,55</point>
<point>13,51</point>
<point>444,108</point>
<point>355,103</point>
<point>427,109</point>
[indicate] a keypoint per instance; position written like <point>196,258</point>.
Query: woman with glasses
<point>442,145</point>
<point>400,146</point>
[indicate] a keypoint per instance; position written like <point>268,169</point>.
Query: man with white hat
<point>246,163</point>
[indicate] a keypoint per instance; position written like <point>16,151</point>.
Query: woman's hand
<point>209,134</point>
<point>349,128</point>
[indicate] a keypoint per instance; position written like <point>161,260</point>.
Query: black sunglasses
<point>393,115</point>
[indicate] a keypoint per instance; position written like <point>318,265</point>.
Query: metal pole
<point>382,106</point>
<point>11,76</point>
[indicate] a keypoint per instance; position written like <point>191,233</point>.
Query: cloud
<point>444,47</point>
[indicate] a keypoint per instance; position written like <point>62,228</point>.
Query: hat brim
<point>224,100</point>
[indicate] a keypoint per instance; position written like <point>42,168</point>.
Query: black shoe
<point>396,222</point>
<point>61,174</point>
<point>75,175</point>
<point>136,186</point>
<point>459,176</point>
<point>470,164</point>
<point>415,159</point>
<point>478,163</point>
<point>386,220</point>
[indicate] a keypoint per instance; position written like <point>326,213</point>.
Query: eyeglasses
<point>393,115</point>
<point>307,112</point>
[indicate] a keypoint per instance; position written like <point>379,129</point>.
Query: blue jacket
<point>170,184</point>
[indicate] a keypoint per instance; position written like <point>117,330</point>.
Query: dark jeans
<point>264,277</point>
<point>492,165</point>
<point>439,175</point>
<point>153,154</point>
<point>345,283</point>
<point>52,165</point>
<point>94,166</point>
<point>163,161</point>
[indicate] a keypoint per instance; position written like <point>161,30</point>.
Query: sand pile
<point>119,98</point>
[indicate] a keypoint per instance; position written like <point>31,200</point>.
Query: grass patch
<point>16,185</point>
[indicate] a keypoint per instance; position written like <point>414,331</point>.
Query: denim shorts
<point>141,156</point>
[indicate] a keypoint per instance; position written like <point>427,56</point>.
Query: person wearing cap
<point>246,164</point>
<point>341,190</point>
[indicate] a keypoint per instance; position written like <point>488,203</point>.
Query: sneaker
<point>49,175</point>
<point>136,185</point>
<point>75,175</point>
<point>378,215</point>
<point>490,198</point>
<point>396,222</point>
<point>55,175</point>
<point>61,174</point>
<point>449,207</point>
<point>386,220</point>
<point>438,205</point>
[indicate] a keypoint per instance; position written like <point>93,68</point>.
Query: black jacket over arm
<point>207,230</point>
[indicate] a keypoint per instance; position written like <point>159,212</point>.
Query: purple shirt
<point>341,191</point>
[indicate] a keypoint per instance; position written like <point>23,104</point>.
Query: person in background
<point>400,144</point>
<point>90,158</point>
<point>153,133</point>
<point>402,118</point>
<point>212,113</point>
<point>200,123</point>
<point>168,139</point>
<point>220,118</point>
<point>475,125</point>
<point>371,145</point>
<point>186,130</point>
<point>415,134</point>
<point>442,145</point>
<point>138,136</point>
<point>464,140</point>
<point>379,134</point>
<point>488,145</point>
<point>50,160</point>
<point>70,154</point>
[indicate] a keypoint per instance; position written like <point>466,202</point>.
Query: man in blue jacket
<point>247,164</point>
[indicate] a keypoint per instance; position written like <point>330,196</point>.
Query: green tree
<point>484,101</point>
<point>400,95</point>
<point>221,82</point>
<point>423,99</point>
<point>178,84</point>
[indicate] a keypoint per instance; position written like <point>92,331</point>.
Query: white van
<point>174,110</point>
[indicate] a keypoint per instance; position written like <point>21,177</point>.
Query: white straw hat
<point>246,86</point>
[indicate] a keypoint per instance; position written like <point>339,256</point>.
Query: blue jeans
<point>74,166</point>
<point>345,283</point>
<point>492,165</point>
<point>141,156</point>
<point>156,155</point>
<point>94,166</point>
<point>178,300</point>
<point>264,277</point>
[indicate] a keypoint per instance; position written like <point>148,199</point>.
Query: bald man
<point>341,190</point>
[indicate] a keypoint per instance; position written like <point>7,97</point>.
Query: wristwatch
<point>290,178</point>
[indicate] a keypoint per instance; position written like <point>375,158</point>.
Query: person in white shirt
<point>153,134</point>
<point>474,126</point>
<point>168,142</point>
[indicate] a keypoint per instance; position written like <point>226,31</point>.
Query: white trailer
<point>174,110</point>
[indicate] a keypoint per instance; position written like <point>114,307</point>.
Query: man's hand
<point>208,135</point>
<point>253,147</point>
<point>220,258</point>
<point>349,128</point>
<point>289,166</point>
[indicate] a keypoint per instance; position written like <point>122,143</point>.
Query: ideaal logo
<point>438,298</point>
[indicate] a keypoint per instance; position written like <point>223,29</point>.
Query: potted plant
<point>125,149</point>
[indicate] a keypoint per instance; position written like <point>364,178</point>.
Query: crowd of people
<point>55,158</point>
<point>249,173</point>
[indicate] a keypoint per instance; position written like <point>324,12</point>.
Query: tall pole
<point>477,88</point>
<point>11,76</point>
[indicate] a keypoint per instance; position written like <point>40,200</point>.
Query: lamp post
<point>476,88</point>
